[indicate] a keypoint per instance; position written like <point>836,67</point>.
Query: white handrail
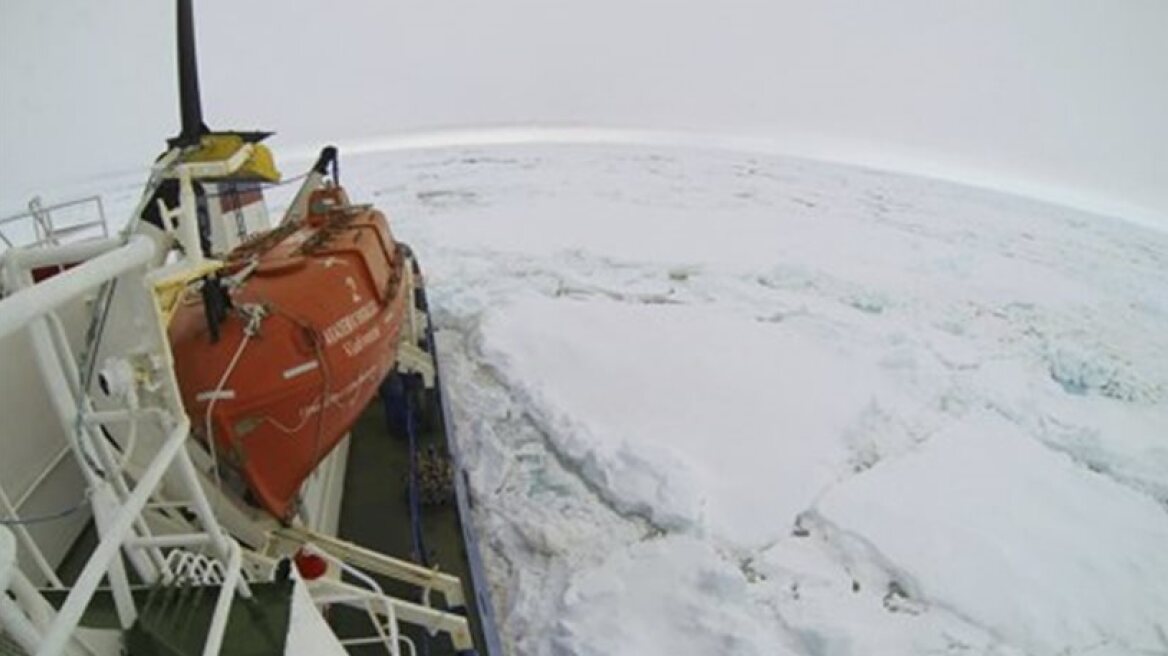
<point>44,231</point>
<point>231,579</point>
<point>12,619</point>
<point>31,258</point>
<point>69,203</point>
<point>390,641</point>
<point>378,563</point>
<point>17,310</point>
<point>118,508</point>
<point>326,591</point>
<point>15,623</point>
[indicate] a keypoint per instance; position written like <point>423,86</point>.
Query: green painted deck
<point>176,622</point>
<point>375,513</point>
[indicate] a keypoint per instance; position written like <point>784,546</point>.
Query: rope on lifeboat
<point>255,315</point>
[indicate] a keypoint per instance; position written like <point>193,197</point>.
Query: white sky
<point>1060,99</point>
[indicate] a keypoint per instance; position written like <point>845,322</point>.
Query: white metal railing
<point>427,579</point>
<point>326,591</point>
<point>28,303</point>
<point>369,598</point>
<point>120,490</point>
<point>387,631</point>
<point>24,613</point>
<point>41,228</point>
<point>118,502</point>
<point>11,510</point>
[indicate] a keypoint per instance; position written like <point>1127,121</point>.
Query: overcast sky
<point>1062,99</point>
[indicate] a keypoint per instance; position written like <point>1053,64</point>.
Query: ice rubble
<point>669,595</point>
<point>748,436</point>
<point>719,403</point>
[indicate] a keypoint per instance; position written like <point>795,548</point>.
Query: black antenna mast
<point>188,80</point>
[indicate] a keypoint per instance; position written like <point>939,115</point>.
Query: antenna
<point>190,105</point>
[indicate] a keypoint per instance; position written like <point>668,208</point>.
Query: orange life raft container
<point>313,331</point>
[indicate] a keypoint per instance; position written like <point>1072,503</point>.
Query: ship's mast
<point>191,106</point>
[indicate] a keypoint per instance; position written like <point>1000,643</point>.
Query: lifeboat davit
<point>317,310</point>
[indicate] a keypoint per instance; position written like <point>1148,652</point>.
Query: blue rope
<point>399,415</point>
<point>415,507</point>
<point>396,400</point>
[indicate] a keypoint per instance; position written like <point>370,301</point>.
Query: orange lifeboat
<point>317,309</point>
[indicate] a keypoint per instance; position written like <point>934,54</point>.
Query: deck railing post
<point>111,542</point>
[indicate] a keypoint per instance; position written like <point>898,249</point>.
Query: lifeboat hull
<point>313,330</point>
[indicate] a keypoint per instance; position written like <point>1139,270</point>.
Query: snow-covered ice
<point>717,402</point>
<point>699,421</point>
<point>987,522</point>
<point>672,594</point>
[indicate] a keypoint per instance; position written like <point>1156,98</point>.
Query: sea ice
<point>986,521</point>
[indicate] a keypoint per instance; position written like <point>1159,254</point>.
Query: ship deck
<point>375,513</point>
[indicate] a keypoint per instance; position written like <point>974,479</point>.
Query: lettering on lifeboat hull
<point>325,300</point>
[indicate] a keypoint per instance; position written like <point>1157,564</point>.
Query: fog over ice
<point>1062,100</point>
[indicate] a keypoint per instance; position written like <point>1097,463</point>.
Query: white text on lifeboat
<point>358,344</point>
<point>347,324</point>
